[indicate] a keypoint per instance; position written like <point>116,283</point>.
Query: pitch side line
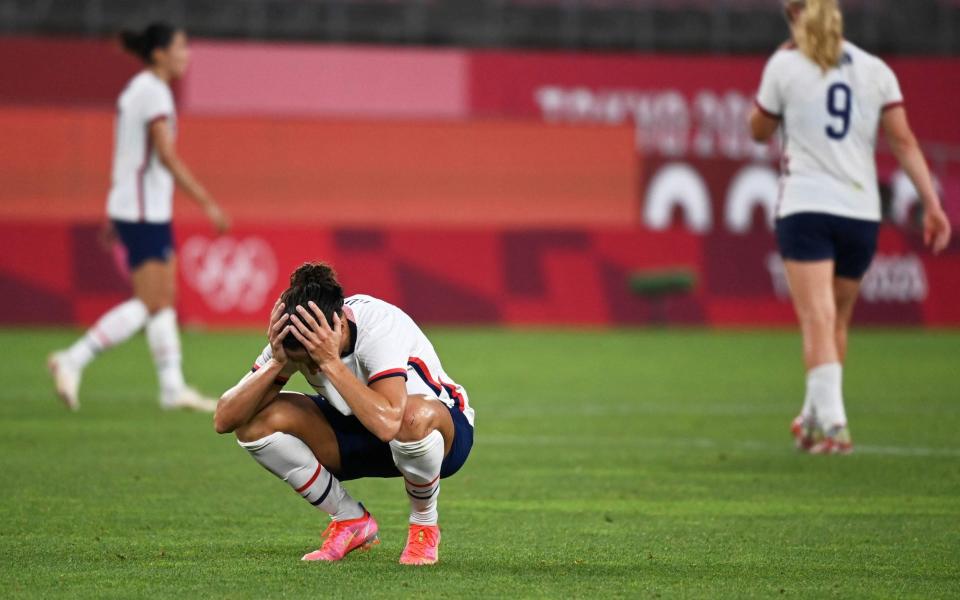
<point>510,440</point>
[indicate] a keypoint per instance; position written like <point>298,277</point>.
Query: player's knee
<point>275,417</point>
<point>419,419</point>
<point>163,301</point>
<point>841,326</point>
<point>820,315</point>
<point>156,302</point>
<point>251,431</point>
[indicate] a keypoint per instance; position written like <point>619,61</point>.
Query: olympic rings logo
<point>230,274</point>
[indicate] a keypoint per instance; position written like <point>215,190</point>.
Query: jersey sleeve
<point>156,102</point>
<point>383,351</point>
<point>890,94</point>
<point>770,99</point>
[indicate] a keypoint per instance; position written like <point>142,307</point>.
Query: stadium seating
<point>929,26</point>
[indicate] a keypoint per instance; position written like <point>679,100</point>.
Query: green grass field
<point>640,464</point>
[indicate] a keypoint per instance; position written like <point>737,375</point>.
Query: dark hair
<point>315,281</point>
<point>142,43</point>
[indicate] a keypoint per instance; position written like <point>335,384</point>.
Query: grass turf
<point>633,464</point>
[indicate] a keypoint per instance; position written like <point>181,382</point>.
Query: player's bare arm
<point>239,404</point>
<point>904,145</point>
<point>762,126</point>
<point>162,138</point>
<point>379,407</point>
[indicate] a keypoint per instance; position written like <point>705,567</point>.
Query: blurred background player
<point>385,408</point>
<point>140,209</point>
<point>830,96</point>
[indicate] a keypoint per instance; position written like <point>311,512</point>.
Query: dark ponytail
<point>317,282</point>
<point>142,43</point>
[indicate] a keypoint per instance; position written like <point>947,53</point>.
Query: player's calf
<point>290,459</point>
<point>418,452</point>
<point>419,462</point>
<point>287,457</point>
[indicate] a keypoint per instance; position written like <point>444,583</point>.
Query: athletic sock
<point>163,337</point>
<point>807,412</point>
<point>825,390</point>
<point>419,462</point>
<point>287,457</point>
<point>116,326</point>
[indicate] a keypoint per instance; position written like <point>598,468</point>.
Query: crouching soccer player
<point>385,408</point>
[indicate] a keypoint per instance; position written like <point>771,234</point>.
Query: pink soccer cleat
<point>343,537</point>
<point>837,440</point>
<point>423,544</point>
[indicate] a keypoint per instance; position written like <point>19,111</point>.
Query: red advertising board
<point>693,109</point>
<point>680,104</point>
<point>466,275</point>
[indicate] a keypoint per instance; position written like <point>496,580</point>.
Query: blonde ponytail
<point>819,32</point>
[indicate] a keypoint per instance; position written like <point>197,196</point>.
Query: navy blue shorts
<point>145,241</point>
<point>362,454</point>
<point>850,243</point>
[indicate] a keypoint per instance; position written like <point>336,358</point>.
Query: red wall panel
<point>460,275</point>
<point>313,171</point>
<point>63,72</point>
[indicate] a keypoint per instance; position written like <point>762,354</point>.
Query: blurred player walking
<point>140,208</point>
<point>386,408</point>
<point>830,96</point>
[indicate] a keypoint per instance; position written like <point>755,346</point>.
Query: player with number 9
<point>830,97</point>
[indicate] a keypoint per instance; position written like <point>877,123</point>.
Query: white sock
<point>163,337</point>
<point>116,326</point>
<point>419,462</point>
<point>825,390</point>
<point>807,412</point>
<point>287,457</point>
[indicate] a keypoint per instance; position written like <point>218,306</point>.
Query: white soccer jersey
<point>387,343</point>
<point>830,123</point>
<point>142,187</point>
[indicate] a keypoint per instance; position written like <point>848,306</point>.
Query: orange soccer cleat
<point>423,543</point>
<point>343,537</point>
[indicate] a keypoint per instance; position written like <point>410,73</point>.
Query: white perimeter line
<point>902,451</point>
<point>709,443</point>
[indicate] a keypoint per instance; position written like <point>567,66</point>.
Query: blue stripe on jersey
<point>436,389</point>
